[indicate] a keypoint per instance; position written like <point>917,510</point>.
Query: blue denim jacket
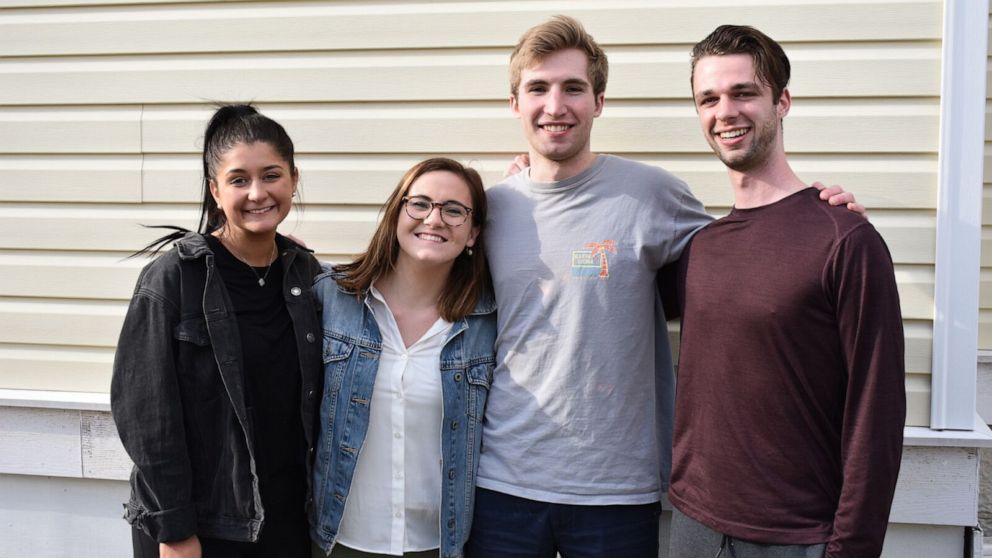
<point>352,346</point>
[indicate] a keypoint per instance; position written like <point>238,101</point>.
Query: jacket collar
<point>193,245</point>
<point>485,305</point>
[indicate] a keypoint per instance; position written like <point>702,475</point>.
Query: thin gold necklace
<point>263,277</point>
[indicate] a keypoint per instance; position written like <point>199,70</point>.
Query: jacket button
<point>451,524</point>
<point>310,395</point>
<point>310,338</point>
<point>454,425</point>
<point>312,450</point>
<point>451,474</point>
<point>296,291</point>
<point>458,377</point>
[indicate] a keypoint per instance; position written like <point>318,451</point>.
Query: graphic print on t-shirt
<point>592,259</point>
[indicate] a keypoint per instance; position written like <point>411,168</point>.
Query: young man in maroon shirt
<point>791,397</point>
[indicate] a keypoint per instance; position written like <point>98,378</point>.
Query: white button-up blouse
<point>394,503</point>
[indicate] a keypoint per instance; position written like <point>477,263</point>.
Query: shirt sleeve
<point>147,409</point>
<point>862,284</point>
<point>690,217</point>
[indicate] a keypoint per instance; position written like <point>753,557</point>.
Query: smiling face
<point>254,188</point>
<point>431,241</point>
<point>736,112</point>
<point>556,107</point>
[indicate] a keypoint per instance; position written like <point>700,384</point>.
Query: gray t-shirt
<point>581,401</point>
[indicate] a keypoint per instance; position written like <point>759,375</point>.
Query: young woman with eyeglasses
<point>408,357</point>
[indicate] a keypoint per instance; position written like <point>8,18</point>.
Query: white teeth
<point>431,237</point>
<point>555,127</point>
<point>257,211</point>
<point>734,133</point>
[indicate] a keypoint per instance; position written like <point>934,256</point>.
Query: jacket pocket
<point>193,330</point>
<point>480,377</point>
<point>335,350</point>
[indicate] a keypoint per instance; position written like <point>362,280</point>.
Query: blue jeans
<point>506,526</point>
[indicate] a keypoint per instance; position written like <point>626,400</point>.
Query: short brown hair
<point>558,33</point>
<point>771,65</point>
<point>469,276</point>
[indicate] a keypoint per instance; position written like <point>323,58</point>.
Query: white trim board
<point>959,214</point>
<point>83,401</point>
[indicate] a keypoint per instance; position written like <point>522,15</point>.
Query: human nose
<point>256,190</point>
<point>554,104</point>
<point>433,218</point>
<point>726,109</point>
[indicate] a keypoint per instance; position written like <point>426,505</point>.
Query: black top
<point>272,379</point>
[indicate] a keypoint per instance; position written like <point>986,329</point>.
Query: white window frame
<point>959,214</point>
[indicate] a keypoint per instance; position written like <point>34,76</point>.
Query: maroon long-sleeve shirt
<point>791,389</point>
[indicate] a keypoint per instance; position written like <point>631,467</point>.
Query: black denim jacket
<point>178,394</point>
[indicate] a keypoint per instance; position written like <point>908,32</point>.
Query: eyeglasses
<point>452,213</point>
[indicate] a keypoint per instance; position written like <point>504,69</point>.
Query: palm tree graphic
<point>600,249</point>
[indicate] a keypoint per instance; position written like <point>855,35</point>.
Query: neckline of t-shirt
<point>568,183</point>
<point>746,211</point>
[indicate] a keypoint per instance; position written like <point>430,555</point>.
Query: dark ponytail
<point>230,125</point>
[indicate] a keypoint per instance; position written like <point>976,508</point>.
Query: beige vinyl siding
<point>102,108</point>
<point>985,291</point>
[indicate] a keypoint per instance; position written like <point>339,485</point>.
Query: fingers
<point>520,162</point>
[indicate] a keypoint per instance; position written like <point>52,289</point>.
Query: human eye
<point>237,181</point>
<point>272,176</point>
<point>419,204</point>
<point>454,210</point>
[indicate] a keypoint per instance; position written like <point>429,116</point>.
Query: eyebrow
<point>569,81</point>
<point>736,87</point>
<point>430,199</point>
<point>270,167</point>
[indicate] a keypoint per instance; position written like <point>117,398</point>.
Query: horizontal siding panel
<point>985,327</point>
<point>324,178</point>
<point>55,368</point>
<point>827,127</point>
<point>453,77</point>
<point>70,179</point>
<point>70,130</point>
<point>917,400</point>
<point>327,230</point>
<point>842,128</point>
<point>221,28</point>
<point>344,230</point>
<point>877,181</point>
<point>915,291</point>
<point>82,276</point>
<point>918,338</point>
<point>55,322</point>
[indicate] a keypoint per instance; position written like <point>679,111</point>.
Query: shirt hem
<point>633,499</point>
<point>750,533</point>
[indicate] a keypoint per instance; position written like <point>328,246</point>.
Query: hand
<point>520,162</point>
<point>835,195</point>
<point>186,548</point>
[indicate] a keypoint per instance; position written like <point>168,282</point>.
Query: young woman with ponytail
<point>217,376</point>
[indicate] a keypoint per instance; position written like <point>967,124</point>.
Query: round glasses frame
<point>419,214</point>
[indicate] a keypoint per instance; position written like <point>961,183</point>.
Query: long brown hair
<point>469,276</point>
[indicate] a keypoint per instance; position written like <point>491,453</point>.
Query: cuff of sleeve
<point>174,524</point>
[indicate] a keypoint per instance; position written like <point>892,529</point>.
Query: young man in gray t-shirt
<point>577,436</point>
